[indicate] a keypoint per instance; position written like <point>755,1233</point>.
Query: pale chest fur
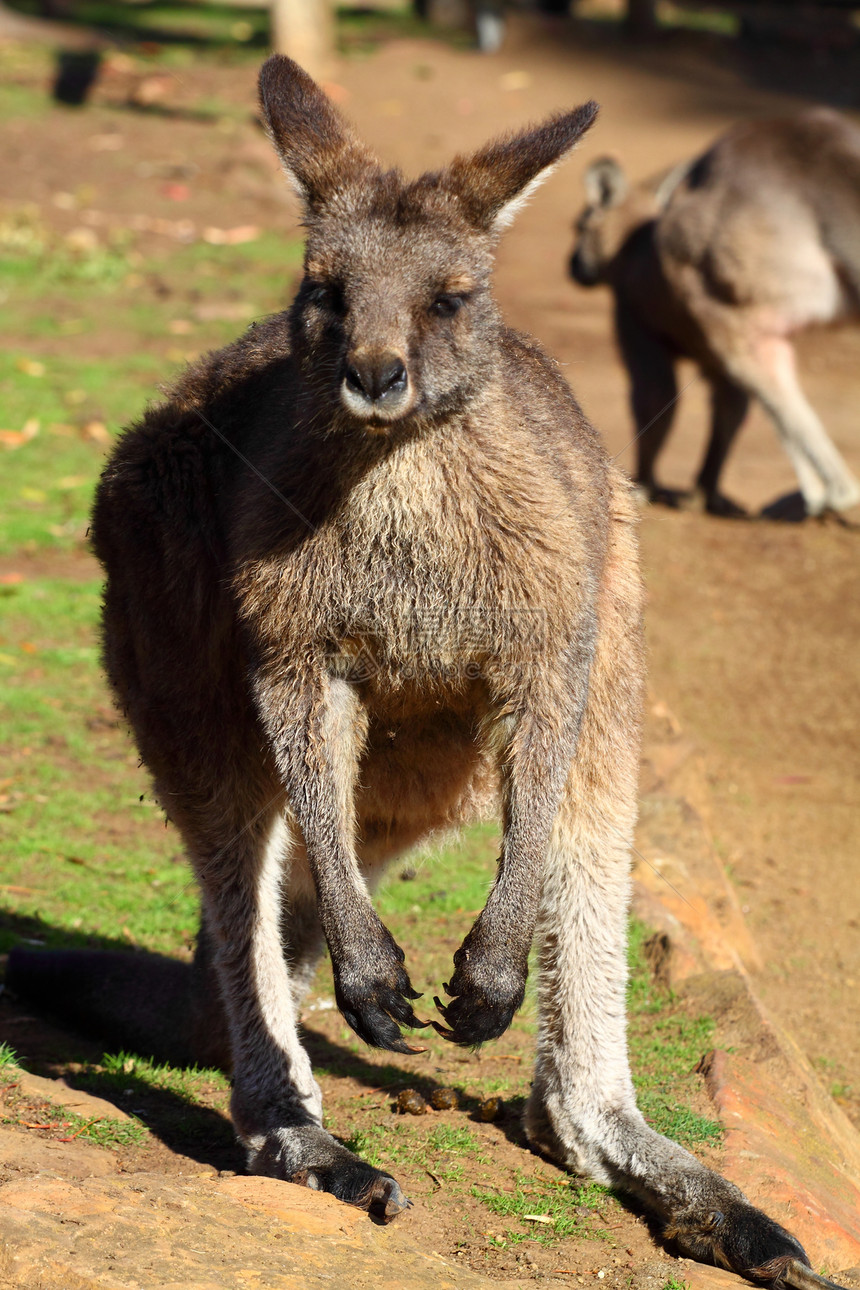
<point>433,564</point>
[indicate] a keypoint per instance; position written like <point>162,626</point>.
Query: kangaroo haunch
<point>370,574</point>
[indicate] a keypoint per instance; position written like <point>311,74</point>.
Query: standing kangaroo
<point>722,261</point>
<point>386,471</point>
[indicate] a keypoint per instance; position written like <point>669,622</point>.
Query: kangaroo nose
<point>376,377</point>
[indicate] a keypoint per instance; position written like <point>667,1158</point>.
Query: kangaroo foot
<point>790,509</point>
<point>310,1157</point>
<point>744,1240</point>
<point>676,499</point>
<point>722,506</point>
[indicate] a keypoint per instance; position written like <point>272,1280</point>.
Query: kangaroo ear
<point>316,146</point>
<point>605,183</point>
<point>496,181</point>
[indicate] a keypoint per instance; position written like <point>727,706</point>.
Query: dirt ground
<point>753,627</point>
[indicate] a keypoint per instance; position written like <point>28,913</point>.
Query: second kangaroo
<point>387,473</point>
<point>723,261</point>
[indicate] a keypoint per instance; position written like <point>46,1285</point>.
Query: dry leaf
<point>13,438</point>
<point>31,367</point>
<point>97,431</point>
<point>231,236</point>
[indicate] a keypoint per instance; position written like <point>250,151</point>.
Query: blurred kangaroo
<point>722,261</point>
<point>370,574</point>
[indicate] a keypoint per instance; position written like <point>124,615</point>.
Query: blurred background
<point>144,220</point>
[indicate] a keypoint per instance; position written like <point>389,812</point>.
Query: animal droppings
<point>410,1102</point>
<point>444,1099</point>
<point>492,1108</point>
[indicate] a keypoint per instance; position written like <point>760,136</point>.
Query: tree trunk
<point>642,17</point>
<point>304,29</point>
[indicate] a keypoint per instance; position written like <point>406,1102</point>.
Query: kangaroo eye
<point>445,305</point>
<point>328,296</point>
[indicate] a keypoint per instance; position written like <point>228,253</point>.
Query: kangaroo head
<point>394,322</point>
<point>612,212</point>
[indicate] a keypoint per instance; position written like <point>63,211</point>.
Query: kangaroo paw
<point>375,996</point>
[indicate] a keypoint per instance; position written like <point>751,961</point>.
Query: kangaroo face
<point>394,322</point>
<point>613,211</point>
<point>594,248</point>
<point>396,318</point>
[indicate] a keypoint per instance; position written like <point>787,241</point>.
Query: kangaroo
<point>723,260</point>
<point>371,574</point>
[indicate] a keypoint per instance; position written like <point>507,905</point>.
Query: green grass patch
<point>66,1126</point>
<point>545,1211</point>
<point>665,1046</point>
<point>83,855</point>
<point>103,1132</point>
<point>8,1062</point>
<point>185,1082</point>
<point>441,1150</point>
<point>107,1132</point>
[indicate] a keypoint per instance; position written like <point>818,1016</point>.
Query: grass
<point>20,1109</point>
<point>443,1148</point>
<point>8,1062</point>
<point>105,1133</point>
<point>65,1126</point>
<point>547,1211</point>
<point>82,853</point>
<point>116,1069</point>
<point>665,1045</point>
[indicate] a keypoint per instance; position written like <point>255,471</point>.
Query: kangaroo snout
<point>582,270</point>
<point>376,385</point>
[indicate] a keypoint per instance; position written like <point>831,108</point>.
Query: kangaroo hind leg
<point>729,404</point>
<point>245,882</point>
<point>582,1109</point>
<point>770,373</point>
